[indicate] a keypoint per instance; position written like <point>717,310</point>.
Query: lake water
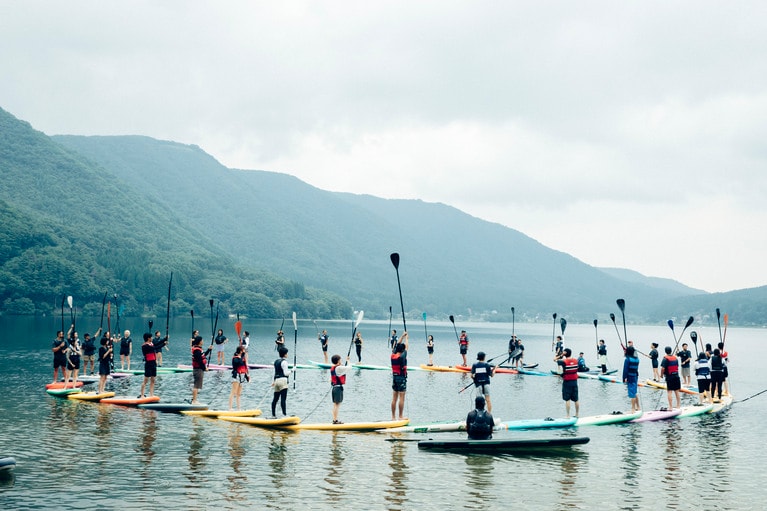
<point>91,456</point>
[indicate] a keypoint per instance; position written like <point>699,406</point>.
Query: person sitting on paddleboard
<point>479,422</point>
<point>481,372</point>
<point>582,367</point>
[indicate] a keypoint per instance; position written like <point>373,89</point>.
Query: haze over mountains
<point>319,246</point>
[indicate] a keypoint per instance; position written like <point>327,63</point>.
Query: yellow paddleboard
<point>262,421</point>
<point>90,396</point>
<point>228,413</point>
<point>350,426</point>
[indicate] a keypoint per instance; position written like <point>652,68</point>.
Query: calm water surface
<point>91,456</point>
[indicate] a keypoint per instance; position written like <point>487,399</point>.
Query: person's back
<point>479,422</point>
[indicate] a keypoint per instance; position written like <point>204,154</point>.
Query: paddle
<point>622,306</point>
<point>167,315</point>
<point>63,300</point>
<point>512,321</point>
<point>694,337</point>
<point>671,326</point>
<point>724,337</point>
<point>192,313</point>
<point>238,328</point>
<point>212,333</point>
<point>425,333</point>
<point>354,332</point>
<point>554,331</point>
<point>295,348</point>
<point>686,326</point>
<point>452,320</point>
<point>596,334</point>
<point>71,310</point>
<point>117,309</point>
<point>388,341</point>
<point>103,304</point>
<point>395,261</point>
<point>215,325</point>
<point>109,316</point>
<point>563,325</point>
<point>718,315</point>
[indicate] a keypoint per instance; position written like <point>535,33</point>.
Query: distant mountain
<point>655,282</point>
<point>451,261</point>
<point>122,212</point>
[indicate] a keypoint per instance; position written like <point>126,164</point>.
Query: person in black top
<point>479,422</point>
<point>481,372</point>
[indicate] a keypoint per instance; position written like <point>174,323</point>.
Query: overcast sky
<point>628,134</point>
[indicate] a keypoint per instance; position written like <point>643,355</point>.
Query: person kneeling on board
<point>479,422</point>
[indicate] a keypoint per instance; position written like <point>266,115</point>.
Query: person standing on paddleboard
<point>702,369</point>
<point>323,338</point>
<point>59,348</point>
<point>159,344</point>
<point>280,383</point>
<point>126,348</point>
<point>602,353</point>
<point>220,340</point>
<point>399,376</point>
<point>337,381</point>
<point>631,377</point>
<point>481,372</point>
<point>654,361</point>
<point>73,359</point>
<point>105,357</point>
<point>430,349</point>
<point>480,423</point>
<point>239,375</point>
<point>558,347</point>
<point>280,340</point>
<point>358,346</point>
<point>245,341</point>
<point>199,366</point>
<point>393,340</point>
<point>150,364</point>
<point>685,357</point>
<point>569,367</point>
<point>463,346</point>
<point>89,352</point>
<point>520,349</point>
<point>669,368</point>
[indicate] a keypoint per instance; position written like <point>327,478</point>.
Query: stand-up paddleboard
<point>349,426</point>
<point>532,372</point>
<point>172,407</point>
<point>229,413</point>
<point>63,393</point>
<point>502,445</point>
<point>60,385</point>
<point>93,378</point>
<point>262,422</point>
<point>7,463</point>
<point>121,374</point>
<point>323,365</point>
<point>160,371</point>
<point>372,366</point>
<point>693,410</point>
<point>658,415</point>
<point>722,404</point>
<point>436,427</point>
<point>662,385</point>
<point>211,367</point>
<point>541,423</point>
<point>130,401</point>
<point>90,396</point>
<point>607,418</point>
<point>444,369</point>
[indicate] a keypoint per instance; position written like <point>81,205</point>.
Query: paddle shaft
<point>395,261</point>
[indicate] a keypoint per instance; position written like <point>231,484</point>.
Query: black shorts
<point>74,363</point>
<point>150,369</point>
<point>703,385</point>
<point>673,382</point>
<point>570,391</point>
<point>59,362</point>
<point>430,350</point>
<point>399,383</point>
<point>338,394</point>
<point>464,350</point>
<point>324,347</point>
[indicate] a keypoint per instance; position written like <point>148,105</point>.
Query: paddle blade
<point>150,324</point>
<point>671,325</point>
<point>718,314</point>
<point>452,319</point>
<point>563,325</point>
<point>689,321</point>
<point>295,323</point>
<point>238,328</point>
<point>395,259</point>
<point>211,303</point>
<point>612,317</point>
<point>192,313</point>
<point>694,336</point>
<point>424,316</point>
<point>621,304</point>
<point>512,310</point>
<point>69,301</point>
<point>554,315</point>
<point>359,319</point>
<point>595,323</point>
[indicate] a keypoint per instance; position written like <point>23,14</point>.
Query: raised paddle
<point>71,310</point>
<point>167,314</point>
<point>694,337</point>
<point>512,321</point>
<point>103,304</point>
<point>295,348</point>
<point>117,308</point>
<point>612,317</point>
<point>724,337</point>
<point>596,334</point>
<point>192,313</point>
<point>150,325</point>
<point>452,320</point>
<point>718,321</point>
<point>395,261</point>
<point>388,341</point>
<point>554,331</point>
<point>622,306</point>
<point>63,300</point>
<point>425,332</point>
<point>354,332</point>
<point>686,326</point>
<point>563,325</point>
<point>671,326</point>
<point>109,317</point>
<point>238,327</point>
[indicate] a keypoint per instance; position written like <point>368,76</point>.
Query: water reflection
<point>334,488</point>
<point>196,459</point>
<point>630,467</point>
<point>396,489</point>
<point>277,456</point>
<point>479,478</point>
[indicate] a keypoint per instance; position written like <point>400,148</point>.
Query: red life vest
<point>463,341</point>
<point>195,362</point>
<point>336,379</point>
<point>397,366</point>
<point>672,364</point>
<point>239,365</point>
<point>149,354</point>
<point>570,372</point>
